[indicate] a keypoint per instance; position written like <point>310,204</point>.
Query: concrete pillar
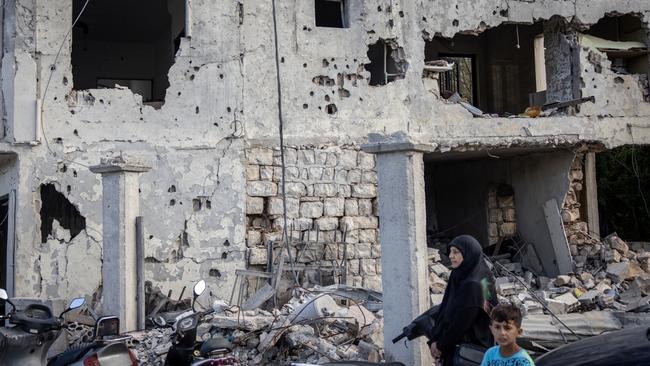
<point>121,205</point>
<point>402,218</point>
<point>591,191</point>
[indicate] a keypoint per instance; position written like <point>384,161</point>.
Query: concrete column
<point>121,205</point>
<point>591,191</point>
<point>402,218</point>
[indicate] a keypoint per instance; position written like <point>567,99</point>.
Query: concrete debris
<point>318,325</point>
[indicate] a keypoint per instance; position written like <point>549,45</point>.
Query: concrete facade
<point>211,143</point>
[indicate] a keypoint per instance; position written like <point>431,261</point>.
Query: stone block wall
<point>331,195</point>
<point>501,214</point>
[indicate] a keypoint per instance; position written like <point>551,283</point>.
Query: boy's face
<point>505,333</point>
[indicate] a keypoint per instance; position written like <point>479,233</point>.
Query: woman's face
<point>456,257</point>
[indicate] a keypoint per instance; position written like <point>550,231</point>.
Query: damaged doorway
<point>127,43</point>
<point>498,196</point>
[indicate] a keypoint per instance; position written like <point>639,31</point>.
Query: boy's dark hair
<point>505,313</point>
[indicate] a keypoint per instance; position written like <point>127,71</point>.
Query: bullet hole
<point>379,8</point>
<point>455,23</point>
<point>325,63</point>
<point>196,205</point>
<point>76,133</point>
<point>58,140</point>
<point>331,109</point>
<point>344,93</point>
<point>304,27</point>
<point>327,98</point>
<point>618,80</point>
<point>68,188</point>
<point>55,98</point>
<point>65,80</point>
<point>74,173</point>
<point>282,60</point>
<point>172,202</point>
<point>55,205</point>
<point>64,168</point>
<point>101,101</point>
<point>214,273</point>
<point>179,94</point>
<point>224,255</point>
<point>320,108</point>
<point>323,80</point>
<point>196,68</point>
<point>196,110</point>
<point>504,13</point>
<point>220,76</point>
<point>228,109</point>
<point>192,77</point>
<point>401,14</point>
<point>304,65</point>
<point>216,124</point>
<point>305,106</point>
<point>150,237</point>
<point>172,189</point>
<point>336,67</point>
<point>311,93</point>
<point>208,204</point>
<point>226,243</point>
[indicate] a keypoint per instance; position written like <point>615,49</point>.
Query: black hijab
<point>471,285</point>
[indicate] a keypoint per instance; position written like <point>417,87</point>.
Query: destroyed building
<point>422,119</point>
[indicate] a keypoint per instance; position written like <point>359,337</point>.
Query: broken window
<point>331,13</point>
<point>623,39</point>
<point>386,62</point>
<point>55,205</point>
<point>461,78</point>
<point>494,70</point>
<point>126,43</point>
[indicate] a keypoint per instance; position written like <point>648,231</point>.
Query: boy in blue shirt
<point>505,327</point>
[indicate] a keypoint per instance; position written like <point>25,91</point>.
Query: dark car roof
<point>627,347</point>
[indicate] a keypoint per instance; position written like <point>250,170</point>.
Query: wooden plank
<point>558,237</point>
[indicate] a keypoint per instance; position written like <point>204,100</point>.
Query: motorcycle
<point>186,350</point>
<point>34,330</point>
<point>108,348</point>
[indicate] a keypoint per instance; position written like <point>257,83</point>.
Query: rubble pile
<point>620,281</point>
<point>312,327</point>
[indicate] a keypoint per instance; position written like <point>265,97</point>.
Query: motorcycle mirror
<point>5,297</point>
<point>74,304</point>
<point>199,288</point>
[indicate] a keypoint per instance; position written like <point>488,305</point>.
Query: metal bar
<point>139,270</point>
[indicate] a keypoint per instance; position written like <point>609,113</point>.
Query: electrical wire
<point>47,86</point>
<point>281,130</point>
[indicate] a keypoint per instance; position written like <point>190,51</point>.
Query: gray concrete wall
<point>222,100</point>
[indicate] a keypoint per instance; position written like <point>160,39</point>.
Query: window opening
<point>461,78</point>
<point>386,62</point>
<point>55,205</point>
<point>623,39</point>
<point>135,49</point>
<point>493,71</point>
<point>331,13</point>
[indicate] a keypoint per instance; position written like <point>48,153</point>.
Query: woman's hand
<point>435,352</point>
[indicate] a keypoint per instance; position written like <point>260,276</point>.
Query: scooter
<point>185,350</point>
<point>34,330</point>
<point>108,348</point>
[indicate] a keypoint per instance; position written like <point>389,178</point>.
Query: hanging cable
<point>280,119</point>
<point>49,79</point>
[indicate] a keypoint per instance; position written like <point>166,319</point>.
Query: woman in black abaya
<point>469,297</point>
